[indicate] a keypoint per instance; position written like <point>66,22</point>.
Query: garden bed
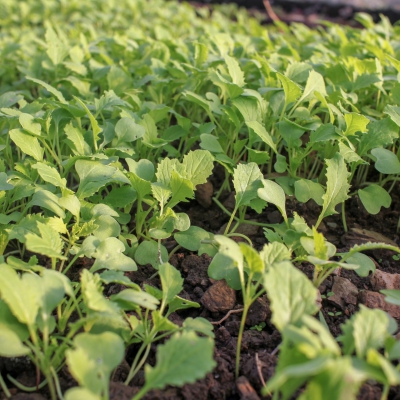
<point>183,190</point>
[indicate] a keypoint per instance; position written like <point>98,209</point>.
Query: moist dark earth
<point>216,299</point>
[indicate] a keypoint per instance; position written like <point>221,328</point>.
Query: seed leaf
<point>374,197</point>
<point>273,193</point>
<point>386,161</point>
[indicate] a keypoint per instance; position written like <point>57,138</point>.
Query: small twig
<point>270,11</point>
<point>259,365</point>
<point>228,315</point>
<point>276,350</point>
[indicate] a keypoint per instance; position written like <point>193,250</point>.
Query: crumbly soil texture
<point>341,295</point>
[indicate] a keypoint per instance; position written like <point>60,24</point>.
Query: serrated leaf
<point>246,180</point>
<point>234,71</point>
<point>27,143</point>
<point>291,293</point>
<point>374,197</point>
<point>183,359</point>
<point>355,123</point>
<point>198,166</point>
<point>350,155</point>
<point>56,48</point>
<point>182,189</point>
<point>274,252</point>
<point>337,186</point>
<point>93,359</point>
<point>48,243</point>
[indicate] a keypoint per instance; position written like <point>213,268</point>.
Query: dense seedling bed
<point>196,206</point>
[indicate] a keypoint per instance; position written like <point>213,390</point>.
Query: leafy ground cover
<point>194,205</point>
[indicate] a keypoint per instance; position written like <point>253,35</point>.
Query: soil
<point>261,339</point>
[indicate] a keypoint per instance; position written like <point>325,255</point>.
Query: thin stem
<point>230,221</point>
<point>344,217</point>
<point>240,337</point>
<point>4,387</point>
<point>26,388</point>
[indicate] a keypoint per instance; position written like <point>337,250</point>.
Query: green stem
<point>4,387</point>
<point>344,217</point>
<point>26,388</point>
<point>242,236</point>
<point>230,221</point>
<point>240,337</point>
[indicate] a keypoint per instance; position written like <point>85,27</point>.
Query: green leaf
<point>22,295</point>
<point>50,174</point>
<point>365,263</point>
<point>386,161</point>
<point>4,185</point>
<point>191,238</point>
<point>234,71</point>
<point>210,143</point>
<point>57,50</point>
<point>71,203</point>
<point>315,82</point>
<point>182,189</point>
<point>47,200</point>
<point>144,169</point>
<point>171,282</point>
<point>130,299</point>
<point>93,359</point>
<point>109,255</point>
<point>183,359</point>
<point>355,123</point>
<point>262,133</point>
<point>95,126</point>
<point>273,193</point>
<point>274,252</point>
<point>94,175</point>
<point>147,253</point>
<point>305,190</point>
<point>128,131</point>
<point>368,329</point>
<point>246,180</point>
<point>350,155</point>
<point>380,134</point>
<point>223,267</point>
<point>48,243</point>
<point>392,296</point>
<point>324,133</point>
<point>337,186</point>
<point>248,107</point>
<point>80,393</point>
<point>374,197</point>
<point>291,89</point>
<point>11,345</point>
<point>291,132</point>
<point>27,143</point>
<point>50,89</point>
<point>77,141</point>
<point>393,113</point>
<point>291,293</point>
<point>27,122</point>
<point>198,166</point>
